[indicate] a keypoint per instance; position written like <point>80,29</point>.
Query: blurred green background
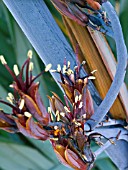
<point>16,151</point>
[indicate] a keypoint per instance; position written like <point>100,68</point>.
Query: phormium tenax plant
<point>61,123</point>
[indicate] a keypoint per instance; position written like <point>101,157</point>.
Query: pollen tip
<point>53,71</point>
<point>9,99</point>
<point>76,99</point>
<point>58,68</point>
<point>31,66</point>
<point>62,114</point>
<point>27,114</point>
<point>91,78</point>
<point>48,67</point>
<point>16,70</point>
<point>80,105</point>
<point>49,110</point>
<point>11,95</point>
<point>11,85</point>
<point>66,109</point>
<point>29,54</point>
<point>69,63</point>
<point>2,59</point>
<point>93,71</point>
<point>83,62</point>
<point>21,104</point>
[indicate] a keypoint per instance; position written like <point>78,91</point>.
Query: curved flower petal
<point>61,6</point>
<point>74,160</point>
<point>34,110</point>
<point>59,150</point>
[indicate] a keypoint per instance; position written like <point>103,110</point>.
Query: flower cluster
<point>63,122</point>
<point>85,13</point>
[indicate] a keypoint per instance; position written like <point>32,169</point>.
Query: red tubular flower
<point>64,122</point>
<point>71,9</point>
<point>70,142</point>
<point>28,112</point>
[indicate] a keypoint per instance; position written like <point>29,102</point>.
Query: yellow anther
<point>80,97</point>
<point>93,71</point>
<point>11,85</point>
<point>64,68</point>
<point>80,105</point>
<point>58,117</point>
<point>29,54</point>
<point>53,71</point>
<point>66,109</point>
<point>55,127</point>
<point>31,66</point>
<point>16,70</point>
<point>2,59</point>
<point>27,114</point>
<point>76,99</point>
<point>58,68</point>
<point>77,123</point>
<point>11,96</point>
<point>49,110</point>
<point>10,100</point>
<point>62,114</point>
<point>69,64</point>
<point>48,67</point>
<point>83,62</point>
<point>84,157</point>
<point>57,112</point>
<point>55,139</point>
<point>91,77</point>
<point>84,116</point>
<point>69,72</point>
<point>21,104</point>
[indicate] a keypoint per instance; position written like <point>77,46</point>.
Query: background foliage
<point>17,151</point>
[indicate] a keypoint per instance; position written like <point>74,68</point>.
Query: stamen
<point>77,123</point>
<point>58,68</point>
<point>29,54</point>
<point>27,114</point>
<point>58,117</point>
<point>55,139</point>
<point>51,115</point>
<point>64,69</point>
<point>57,112</point>
<point>9,99</point>
<point>69,72</point>
<point>16,70</point>
<point>84,157</point>
<point>69,64</point>
<point>66,109</point>
<point>80,105</point>
<point>49,110</point>
<point>93,71</point>
<point>53,71</point>
<point>55,127</point>
<point>11,96</point>
<point>80,97</point>
<point>11,85</point>
<point>2,59</point>
<point>76,99</point>
<point>83,62</point>
<point>91,78</point>
<point>48,67</point>
<point>84,116</point>
<point>21,104</point>
<point>31,66</point>
<point>62,114</point>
